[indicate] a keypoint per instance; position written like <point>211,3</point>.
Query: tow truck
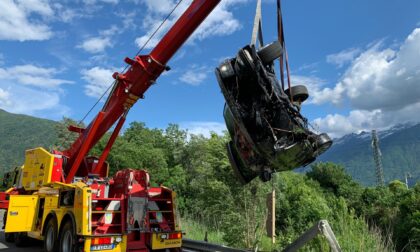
<point>66,198</point>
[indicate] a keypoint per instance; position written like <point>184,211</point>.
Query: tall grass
<point>352,233</point>
<point>196,231</point>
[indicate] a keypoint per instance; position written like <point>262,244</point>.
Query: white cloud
<point>312,83</point>
<point>90,2</point>
<point>98,80</point>
<point>220,22</point>
<point>18,23</point>
<point>105,38</point>
<point>67,14</point>
<point>30,89</point>
<point>343,57</point>
<point>4,98</point>
<point>382,86</point>
<point>195,75</point>
<point>357,120</point>
<point>25,100</point>
<point>95,45</point>
<point>380,78</point>
<point>41,7</point>
<point>31,75</point>
<point>338,125</point>
<point>203,128</point>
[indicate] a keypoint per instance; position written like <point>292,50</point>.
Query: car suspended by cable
<point>268,132</point>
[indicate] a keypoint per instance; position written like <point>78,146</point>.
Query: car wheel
<point>323,143</point>
<point>226,70</point>
<point>270,52</point>
<point>299,92</point>
<point>50,236</point>
<point>244,64</point>
<point>265,175</point>
<point>68,242</point>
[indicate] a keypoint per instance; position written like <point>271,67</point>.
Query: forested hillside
<point>19,133</point>
<point>400,147</point>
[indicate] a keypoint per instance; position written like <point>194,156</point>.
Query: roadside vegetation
<point>212,204</point>
<point>210,199</point>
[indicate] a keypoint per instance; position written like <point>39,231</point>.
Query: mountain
<point>19,133</point>
<point>400,148</point>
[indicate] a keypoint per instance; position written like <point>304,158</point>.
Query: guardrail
<point>201,246</point>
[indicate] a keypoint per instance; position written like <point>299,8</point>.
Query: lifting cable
<point>257,28</point>
<point>257,34</point>
<point>280,31</point>
<point>125,68</point>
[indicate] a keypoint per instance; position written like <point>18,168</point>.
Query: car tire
<point>265,176</point>
<point>50,236</point>
<point>299,92</point>
<point>68,239</point>
<point>323,143</point>
<point>244,64</point>
<point>270,52</point>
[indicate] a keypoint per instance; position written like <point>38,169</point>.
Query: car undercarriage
<point>268,132</point>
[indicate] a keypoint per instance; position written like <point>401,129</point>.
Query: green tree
<point>65,137</point>
<point>334,178</point>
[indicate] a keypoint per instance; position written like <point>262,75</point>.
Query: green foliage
<point>197,231</point>
<point>19,133</point>
<point>65,137</point>
<point>210,199</point>
<point>334,178</point>
<point>392,210</point>
<point>407,232</point>
<point>198,169</point>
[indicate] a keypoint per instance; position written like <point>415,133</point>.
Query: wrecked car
<point>268,132</point>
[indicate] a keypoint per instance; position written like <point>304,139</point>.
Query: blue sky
<point>360,59</point>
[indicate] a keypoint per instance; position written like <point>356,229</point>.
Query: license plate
<point>102,247</point>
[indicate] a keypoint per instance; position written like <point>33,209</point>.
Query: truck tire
<point>68,239</point>
<point>9,237</point>
<point>50,236</point>
<point>270,52</point>
<point>21,239</point>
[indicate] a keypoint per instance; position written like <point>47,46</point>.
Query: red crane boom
<point>131,85</point>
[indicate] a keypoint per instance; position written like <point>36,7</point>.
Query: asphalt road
<point>33,246</point>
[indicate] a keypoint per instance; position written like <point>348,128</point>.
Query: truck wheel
<point>9,237</point>
<point>21,239</point>
<point>50,236</point>
<point>68,240</point>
